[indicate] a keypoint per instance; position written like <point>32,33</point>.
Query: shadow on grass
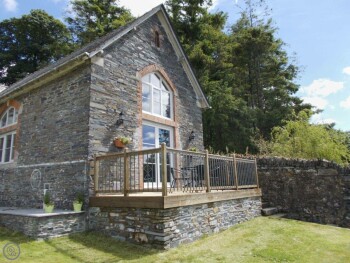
<point>82,247</point>
<point>7,235</point>
<point>90,242</point>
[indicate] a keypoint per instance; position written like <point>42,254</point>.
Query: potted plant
<point>78,202</point>
<point>120,142</point>
<point>48,204</point>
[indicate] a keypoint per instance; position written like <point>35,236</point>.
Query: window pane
<point>146,97</point>
<point>8,148</point>
<point>164,137</point>
<point>11,116</point>
<point>1,148</point>
<point>16,116</point>
<point>155,81</point>
<point>163,87</point>
<point>156,102</point>
<point>166,104</point>
<point>13,146</point>
<point>146,79</point>
<point>4,120</point>
<point>148,136</point>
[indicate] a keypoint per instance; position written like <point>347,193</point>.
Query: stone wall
<point>166,228</point>
<point>63,123</point>
<point>48,226</point>
<point>24,186</point>
<point>54,122</point>
<point>115,87</point>
<point>315,191</point>
<point>51,144</point>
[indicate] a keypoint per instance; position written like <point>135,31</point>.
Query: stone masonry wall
<point>51,143</point>
<point>315,191</point>
<point>115,88</point>
<point>24,186</point>
<point>45,226</point>
<point>167,228</point>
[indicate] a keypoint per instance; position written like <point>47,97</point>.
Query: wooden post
<point>256,173</point>
<point>96,172</point>
<point>126,174</point>
<point>206,171</point>
<point>236,172</point>
<point>227,174</point>
<point>164,170</point>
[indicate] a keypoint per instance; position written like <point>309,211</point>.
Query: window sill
<point>12,164</point>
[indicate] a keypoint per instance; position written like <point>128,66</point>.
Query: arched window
<point>9,117</point>
<point>7,140</point>
<point>156,96</point>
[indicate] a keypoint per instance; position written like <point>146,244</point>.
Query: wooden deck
<point>166,178</point>
<point>177,199</point>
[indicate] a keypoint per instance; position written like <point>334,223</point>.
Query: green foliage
<point>79,198</point>
<point>47,199</point>
<point>264,75</point>
<point>246,74</point>
<point>92,19</point>
<point>263,239</point>
<point>299,139</point>
<point>29,43</point>
<point>123,140</point>
<point>193,149</point>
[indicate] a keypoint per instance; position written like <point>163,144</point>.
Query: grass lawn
<point>260,240</point>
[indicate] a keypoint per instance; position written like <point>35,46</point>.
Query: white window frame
<point>4,147</point>
<point>15,117</point>
<point>158,126</point>
<point>152,88</point>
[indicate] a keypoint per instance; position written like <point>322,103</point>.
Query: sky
<point>316,33</point>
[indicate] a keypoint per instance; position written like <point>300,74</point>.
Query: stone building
<point>135,82</point>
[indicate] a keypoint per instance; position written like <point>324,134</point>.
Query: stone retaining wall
<point>166,228</point>
<point>47,226</point>
<point>315,191</point>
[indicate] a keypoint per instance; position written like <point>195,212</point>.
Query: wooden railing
<point>171,171</point>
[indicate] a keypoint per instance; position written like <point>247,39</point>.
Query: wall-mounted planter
<point>121,142</point>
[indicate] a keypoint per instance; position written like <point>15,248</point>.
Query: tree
<point>208,48</point>
<point>246,75</point>
<point>299,139</point>
<point>94,18</point>
<point>264,74</point>
<point>29,43</point>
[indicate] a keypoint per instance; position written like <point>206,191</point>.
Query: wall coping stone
<point>33,212</point>
<point>285,163</point>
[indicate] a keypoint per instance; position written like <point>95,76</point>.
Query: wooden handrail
<point>208,172</point>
